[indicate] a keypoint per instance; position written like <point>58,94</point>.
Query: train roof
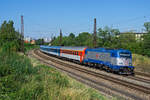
<point>88,49</point>
<point>107,50</point>
<point>55,47</point>
<point>64,47</point>
<point>73,48</point>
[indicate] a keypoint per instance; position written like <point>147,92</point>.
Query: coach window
<point>51,50</point>
<point>55,50</point>
<point>68,52</point>
<point>65,51</point>
<point>79,53</point>
<point>62,51</point>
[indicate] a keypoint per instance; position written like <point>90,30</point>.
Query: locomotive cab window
<point>125,54</point>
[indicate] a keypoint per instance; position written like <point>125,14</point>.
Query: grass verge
<point>141,63</point>
<point>25,79</point>
<point>29,47</point>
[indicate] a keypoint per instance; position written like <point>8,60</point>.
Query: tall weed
<point>19,80</point>
<point>141,63</point>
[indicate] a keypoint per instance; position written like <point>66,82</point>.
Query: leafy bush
<point>9,38</point>
<point>29,46</point>
<point>20,80</point>
<point>14,64</point>
<point>14,72</point>
<point>141,63</point>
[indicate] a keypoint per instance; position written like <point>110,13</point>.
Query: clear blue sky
<point>43,18</point>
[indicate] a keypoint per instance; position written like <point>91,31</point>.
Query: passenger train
<point>112,60</point>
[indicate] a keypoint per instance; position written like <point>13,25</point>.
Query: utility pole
<point>22,34</point>
<point>60,41</point>
<point>94,35</point>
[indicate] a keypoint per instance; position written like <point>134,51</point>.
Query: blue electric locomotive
<point>116,60</point>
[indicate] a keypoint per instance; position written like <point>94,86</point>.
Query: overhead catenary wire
<point>136,24</point>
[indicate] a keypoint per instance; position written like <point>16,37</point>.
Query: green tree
<point>71,39</point>
<point>71,35</point>
<point>9,38</point>
<point>39,42</point>
<point>146,44</point>
<point>127,41</point>
<point>84,39</point>
<point>56,41</point>
<point>147,26</point>
<point>107,36</point>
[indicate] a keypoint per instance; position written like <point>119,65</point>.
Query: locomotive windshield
<point>125,54</point>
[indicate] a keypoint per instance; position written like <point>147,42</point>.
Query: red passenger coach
<point>74,53</point>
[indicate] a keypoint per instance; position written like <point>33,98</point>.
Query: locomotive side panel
<point>114,60</point>
<point>98,57</point>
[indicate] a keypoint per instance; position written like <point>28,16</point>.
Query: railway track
<point>142,74</point>
<point>99,75</point>
<point>139,79</point>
